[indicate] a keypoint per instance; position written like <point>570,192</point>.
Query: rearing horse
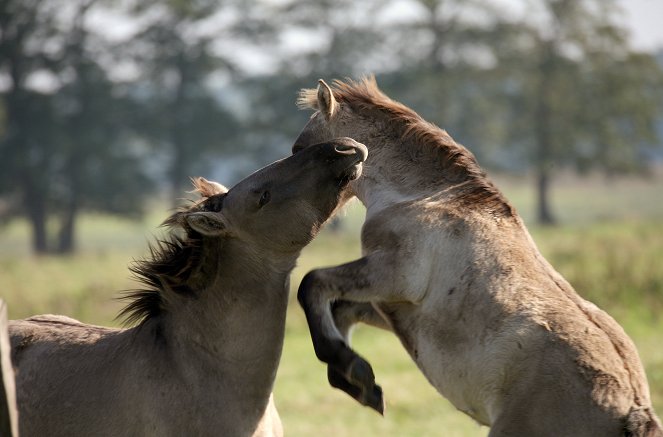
<point>450,268</point>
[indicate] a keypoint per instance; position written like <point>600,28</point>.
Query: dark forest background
<point>105,104</point>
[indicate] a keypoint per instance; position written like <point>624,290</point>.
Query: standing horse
<point>203,358</point>
<point>449,267</point>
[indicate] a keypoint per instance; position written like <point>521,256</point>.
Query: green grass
<point>610,249</point>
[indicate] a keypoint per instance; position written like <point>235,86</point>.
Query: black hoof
<point>360,373</point>
<point>375,399</point>
<point>337,380</point>
<point>369,396</point>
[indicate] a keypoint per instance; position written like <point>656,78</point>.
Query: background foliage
<point>106,102</point>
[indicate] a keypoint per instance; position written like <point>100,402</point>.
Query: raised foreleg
<point>368,279</point>
<point>346,314</point>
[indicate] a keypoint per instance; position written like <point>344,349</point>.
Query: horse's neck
<point>397,172</point>
<point>389,177</point>
<point>379,193</point>
<point>235,327</point>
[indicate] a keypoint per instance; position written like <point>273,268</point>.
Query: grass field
<point>610,248</point>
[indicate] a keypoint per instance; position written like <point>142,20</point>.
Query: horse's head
<point>281,207</point>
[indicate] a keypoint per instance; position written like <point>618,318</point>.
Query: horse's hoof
<point>375,400</point>
<point>360,372</point>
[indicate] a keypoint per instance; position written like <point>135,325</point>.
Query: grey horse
<point>203,356</point>
<point>450,268</point>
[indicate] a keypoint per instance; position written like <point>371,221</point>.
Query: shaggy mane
<point>458,163</point>
<point>171,261</point>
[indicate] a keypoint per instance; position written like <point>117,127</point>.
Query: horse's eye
<point>264,198</point>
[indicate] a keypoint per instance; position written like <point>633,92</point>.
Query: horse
<point>448,266</point>
<point>209,317</point>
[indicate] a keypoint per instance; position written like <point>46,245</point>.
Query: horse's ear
<point>207,188</point>
<point>327,104</point>
<point>210,224</point>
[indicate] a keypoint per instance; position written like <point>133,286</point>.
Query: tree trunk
<point>66,241</point>
<point>76,161</point>
<point>543,211</point>
<point>544,154</point>
<point>26,168</point>
<point>35,207</point>
<point>39,237</point>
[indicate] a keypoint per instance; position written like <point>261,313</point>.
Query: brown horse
<point>449,267</point>
<point>203,358</point>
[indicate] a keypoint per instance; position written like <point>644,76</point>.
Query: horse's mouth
<point>353,155</point>
<point>350,174</point>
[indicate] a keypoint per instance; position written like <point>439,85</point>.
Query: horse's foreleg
<point>346,314</point>
<point>363,280</point>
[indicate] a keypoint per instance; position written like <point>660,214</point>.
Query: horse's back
<point>51,335</point>
<point>65,371</point>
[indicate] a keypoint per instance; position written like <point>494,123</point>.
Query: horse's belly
<point>462,377</point>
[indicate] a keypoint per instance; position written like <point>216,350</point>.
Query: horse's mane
<point>171,262</point>
<point>458,163</point>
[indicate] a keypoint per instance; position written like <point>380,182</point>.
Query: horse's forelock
<point>307,99</point>
<point>207,188</point>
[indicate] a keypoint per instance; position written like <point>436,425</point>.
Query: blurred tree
<point>100,168</point>
<point>64,147</point>
<point>182,115</point>
<point>303,41</point>
<point>27,155</point>
<point>335,38</point>
<point>558,88</point>
<point>448,67</point>
<point>579,94</point>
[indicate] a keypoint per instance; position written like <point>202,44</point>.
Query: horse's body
<point>449,266</point>
<point>204,356</point>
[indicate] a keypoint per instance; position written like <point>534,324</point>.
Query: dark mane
<point>168,269</point>
<point>458,163</point>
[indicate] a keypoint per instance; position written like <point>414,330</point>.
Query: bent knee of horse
<point>306,287</point>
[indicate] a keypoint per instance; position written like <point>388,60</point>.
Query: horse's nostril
<point>350,147</point>
<point>345,150</point>
<point>353,149</point>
